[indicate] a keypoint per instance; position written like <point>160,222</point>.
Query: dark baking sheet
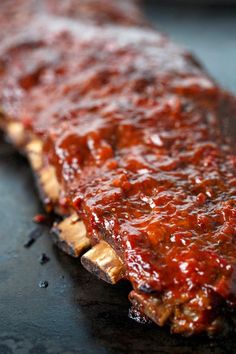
<point>78,313</point>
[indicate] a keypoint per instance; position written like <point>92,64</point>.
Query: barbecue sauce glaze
<point>132,125</point>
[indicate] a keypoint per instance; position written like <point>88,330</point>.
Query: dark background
<point>78,313</point>
<point>208,31</point>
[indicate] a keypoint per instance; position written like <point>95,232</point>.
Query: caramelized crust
<point>131,130</point>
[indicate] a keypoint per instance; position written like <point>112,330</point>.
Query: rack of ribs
<point>123,130</point>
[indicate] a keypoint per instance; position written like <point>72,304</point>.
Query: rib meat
<point>131,130</point>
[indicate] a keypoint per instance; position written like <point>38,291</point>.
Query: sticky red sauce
<point>133,126</point>
<point>39,218</point>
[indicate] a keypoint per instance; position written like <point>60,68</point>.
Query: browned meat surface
<point>16,13</point>
<point>132,125</point>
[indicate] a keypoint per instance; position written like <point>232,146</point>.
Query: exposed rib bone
<point>46,175</point>
<point>152,307</point>
<point>16,133</point>
<point>71,236</point>
<point>34,153</point>
<point>49,183</point>
<point>103,261</point>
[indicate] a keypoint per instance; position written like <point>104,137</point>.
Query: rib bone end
<point>49,184</point>
<point>16,133</point>
<point>70,236</point>
<point>34,152</point>
<point>103,262</point>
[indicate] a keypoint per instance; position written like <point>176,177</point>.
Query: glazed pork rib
<point>16,13</point>
<point>123,131</point>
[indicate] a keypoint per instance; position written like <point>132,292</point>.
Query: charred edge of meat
<point>136,314</point>
<point>152,307</point>
<point>183,318</point>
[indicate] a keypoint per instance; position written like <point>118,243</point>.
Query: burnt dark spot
<point>145,288</point>
<point>136,315</point>
<point>44,259</point>
<point>43,284</point>
<point>33,236</point>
